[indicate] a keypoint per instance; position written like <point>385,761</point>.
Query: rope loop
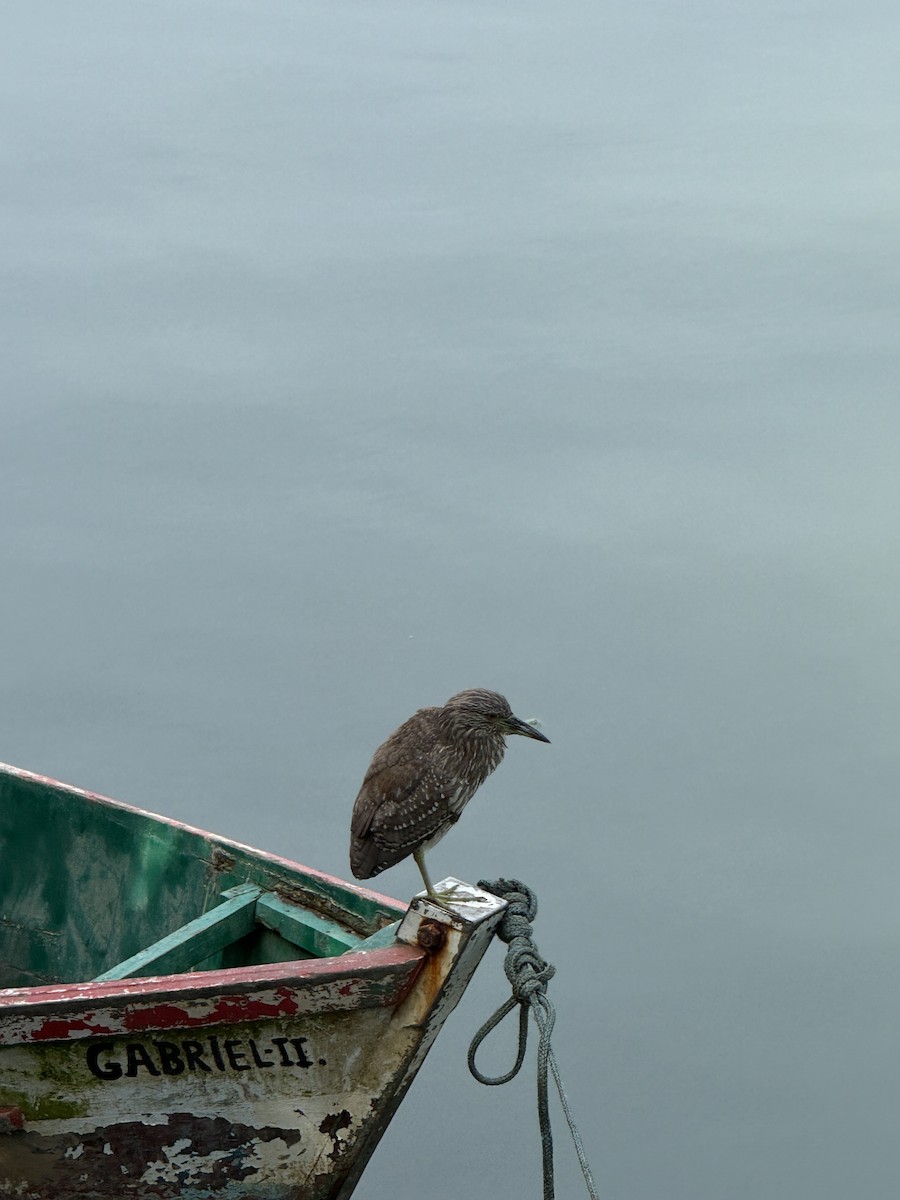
<point>528,974</point>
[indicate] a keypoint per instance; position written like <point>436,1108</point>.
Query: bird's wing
<point>399,806</point>
<point>395,769</point>
<point>388,795</point>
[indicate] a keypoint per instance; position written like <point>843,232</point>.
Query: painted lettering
<point>192,1056</point>
<point>103,1070</point>
<point>169,1058</point>
<point>110,1060</point>
<point>236,1057</point>
<point>137,1056</point>
<point>298,1044</point>
<point>216,1053</point>
<point>281,1042</point>
<point>257,1058</point>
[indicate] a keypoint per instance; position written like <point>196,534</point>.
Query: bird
<point>424,775</point>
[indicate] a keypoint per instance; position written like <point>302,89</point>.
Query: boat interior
<point>94,890</point>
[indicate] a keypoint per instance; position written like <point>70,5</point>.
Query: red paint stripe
<point>56,1029</point>
<point>229,1010</point>
<point>165,1002</point>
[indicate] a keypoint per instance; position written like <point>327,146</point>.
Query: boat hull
<point>267,1082</point>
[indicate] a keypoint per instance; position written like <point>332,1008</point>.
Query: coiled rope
<point>529,975</point>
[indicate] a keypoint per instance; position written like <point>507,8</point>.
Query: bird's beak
<point>526,730</point>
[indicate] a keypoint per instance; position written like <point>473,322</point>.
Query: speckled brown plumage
<point>422,777</point>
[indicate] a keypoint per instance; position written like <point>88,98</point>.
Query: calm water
<point>357,353</point>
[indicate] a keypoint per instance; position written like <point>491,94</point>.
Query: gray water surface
<point>354,354</point>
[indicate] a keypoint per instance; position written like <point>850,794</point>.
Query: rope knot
<point>521,902</point>
<point>528,974</point>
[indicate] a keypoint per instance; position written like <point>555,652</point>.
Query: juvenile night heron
<point>424,775</point>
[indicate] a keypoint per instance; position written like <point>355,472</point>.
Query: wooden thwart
<point>315,934</point>
<point>242,909</point>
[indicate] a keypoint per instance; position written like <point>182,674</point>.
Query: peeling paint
<point>206,998</point>
<point>247,1130</point>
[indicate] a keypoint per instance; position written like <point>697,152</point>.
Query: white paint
<point>177,1163</point>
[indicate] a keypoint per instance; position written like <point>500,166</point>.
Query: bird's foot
<point>455,894</point>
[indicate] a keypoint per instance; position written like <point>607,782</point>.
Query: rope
<point>529,975</point>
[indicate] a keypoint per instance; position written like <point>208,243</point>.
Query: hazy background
<point>356,353</point>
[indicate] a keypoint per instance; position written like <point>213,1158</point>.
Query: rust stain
<point>431,974</point>
<point>412,982</point>
<point>432,979</point>
<point>431,936</point>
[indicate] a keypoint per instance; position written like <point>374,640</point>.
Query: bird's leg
<point>419,856</point>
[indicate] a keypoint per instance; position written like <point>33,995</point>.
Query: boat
<point>184,1016</point>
